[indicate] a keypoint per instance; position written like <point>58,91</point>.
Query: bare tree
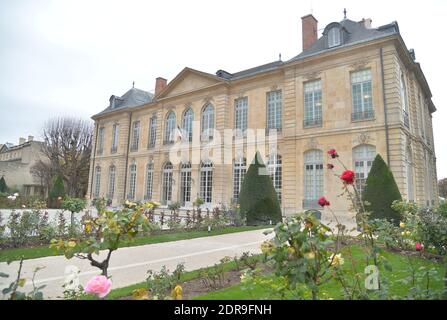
<point>43,171</point>
<point>442,186</point>
<point>68,145</point>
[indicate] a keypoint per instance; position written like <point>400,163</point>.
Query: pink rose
<point>419,246</point>
<point>323,202</point>
<point>99,285</point>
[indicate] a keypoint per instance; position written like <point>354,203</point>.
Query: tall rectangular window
<point>97,182</point>
<point>100,141</point>
<point>274,167</point>
<point>135,136</point>
<point>132,181</point>
<point>312,104</point>
<point>152,132</point>
<point>274,110</point>
<point>361,87</point>
<point>239,170</point>
<point>111,190</point>
<point>185,180</point>
<point>206,182</point>
<point>149,181</point>
<point>240,115</point>
<point>313,178</point>
<point>363,156</point>
<point>167,183</point>
<point>114,138</point>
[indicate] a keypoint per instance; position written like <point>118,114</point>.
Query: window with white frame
<point>170,128</point>
<point>167,183</point>
<point>188,118</point>
<point>313,178</point>
<point>274,110</point>
<point>206,181</point>
<point>132,181</point>
<point>135,135</point>
<point>185,183</point>
<point>403,97</point>
<point>363,156</point>
<point>409,174</point>
<point>312,103</point>
<point>361,87</point>
<point>100,141</point>
<point>115,132</point>
<point>111,187</point>
<point>274,167</point>
<point>149,181</point>
<point>240,115</point>
<point>152,132</point>
<point>97,181</point>
<point>239,170</point>
<point>334,37</point>
<point>207,122</point>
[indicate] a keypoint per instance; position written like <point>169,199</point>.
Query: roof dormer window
<point>334,37</point>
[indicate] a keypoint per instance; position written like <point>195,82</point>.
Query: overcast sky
<point>68,57</point>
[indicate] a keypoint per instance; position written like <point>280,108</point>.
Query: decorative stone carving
<point>361,64</point>
<point>274,87</point>
<point>312,75</point>
<point>312,143</point>
<point>363,138</point>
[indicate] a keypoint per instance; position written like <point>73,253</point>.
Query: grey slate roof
<point>355,33</point>
<point>132,98</point>
<point>249,72</point>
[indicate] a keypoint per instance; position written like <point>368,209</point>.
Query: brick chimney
<point>160,84</point>
<point>309,29</point>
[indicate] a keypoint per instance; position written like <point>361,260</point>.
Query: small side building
<point>16,162</point>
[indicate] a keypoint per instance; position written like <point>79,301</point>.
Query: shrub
<point>380,192</point>
<point>57,191</point>
<point>159,284</point>
<point>3,186</point>
<point>258,199</point>
<point>74,205</point>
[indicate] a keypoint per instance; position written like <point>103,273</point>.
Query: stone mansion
<point>354,88</point>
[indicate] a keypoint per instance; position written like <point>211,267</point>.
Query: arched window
<point>239,170</point>
<point>97,181</point>
<point>403,96</point>
<point>334,37</point>
<point>132,181</point>
<point>206,181</point>
<point>170,128</point>
<point>167,183</point>
<point>149,181</point>
<point>207,122</point>
<point>313,178</point>
<point>409,174</point>
<point>111,188</point>
<point>185,183</point>
<point>188,118</point>
<point>363,156</point>
<point>240,115</point>
<point>274,166</point>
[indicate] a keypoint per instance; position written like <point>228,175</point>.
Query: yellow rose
<point>140,294</point>
<point>402,225</point>
<point>177,293</point>
<point>407,233</point>
<point>310,255</point>
<point>71,244</point>
<point>336,260</point>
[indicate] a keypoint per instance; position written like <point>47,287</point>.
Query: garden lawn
<point>333,290</point>
<point>44,251</point>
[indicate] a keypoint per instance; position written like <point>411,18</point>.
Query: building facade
<point>355,88</point>
<point>16,162</point>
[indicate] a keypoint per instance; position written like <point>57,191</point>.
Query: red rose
<point>330,166</point>
<point>323,202</point>
<point>333,153</point>
<point>419,246</point>
<point>348,176</point>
